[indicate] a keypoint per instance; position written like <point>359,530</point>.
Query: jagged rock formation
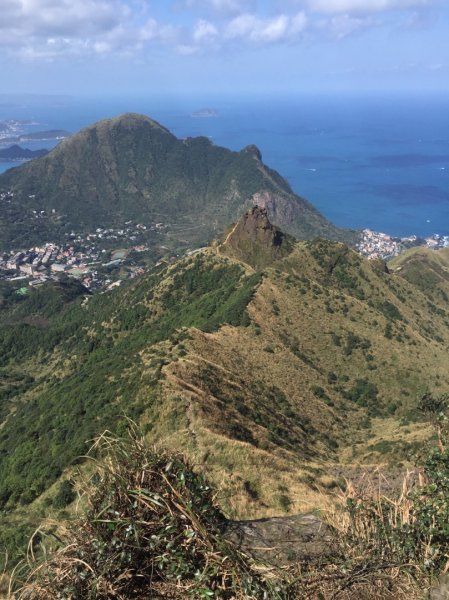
<point>255,241</point>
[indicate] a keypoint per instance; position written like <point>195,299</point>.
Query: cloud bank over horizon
<point>142,32</point>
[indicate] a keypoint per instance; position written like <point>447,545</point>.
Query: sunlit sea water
<point>378,162</point>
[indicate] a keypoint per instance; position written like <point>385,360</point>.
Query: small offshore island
<point>204,113</point>
<point>16,153</point>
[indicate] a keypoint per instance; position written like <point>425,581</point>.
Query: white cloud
<point>67,17</point>
<point>365,6</point>
<point>154,31</point>
<point>341,26</point>
<point>47,29</point>
<point>204,31</point>
<point>187,49</point>
<point>221,6</point>
<point>298,23</point>
<point>226,5</point>
<point>253,29</point>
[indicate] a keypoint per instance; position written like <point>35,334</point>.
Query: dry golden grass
<point>190,415</point>
<point>366,562</point>
<point>440,257</point>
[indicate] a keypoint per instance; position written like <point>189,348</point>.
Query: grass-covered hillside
<point>132,168</point>
<point>427,269</point>
<point>276,381</point>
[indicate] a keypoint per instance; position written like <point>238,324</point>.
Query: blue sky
<point>223,46</point>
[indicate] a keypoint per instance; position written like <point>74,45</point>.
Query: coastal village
<point>97,258</point>
<point>373,244</point>
<point>84,257</point>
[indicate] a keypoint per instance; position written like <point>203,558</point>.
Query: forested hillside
<point>132,168</point>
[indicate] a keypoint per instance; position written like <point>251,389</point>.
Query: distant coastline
<point>16,153</point>
<point>38,136</point>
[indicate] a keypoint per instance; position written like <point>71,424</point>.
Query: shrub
<point>408,532</point>
<point>331,378</point>
<point>151,521</point>
<point>364,393</point>
<point>251,489</point>
<point>284,502</point>
<point>388,333</point>
<point>65,494</point>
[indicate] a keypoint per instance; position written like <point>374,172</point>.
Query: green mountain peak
<point>131,119</point>
<point>131,168</point>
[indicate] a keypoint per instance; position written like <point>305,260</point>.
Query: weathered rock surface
<point>255,240</point>
<point>283,540</point>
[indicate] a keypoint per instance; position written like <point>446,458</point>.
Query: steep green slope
<point>132,168</point>
<point>87,365</point>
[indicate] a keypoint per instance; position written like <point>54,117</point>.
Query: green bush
<point>150,520</point>
<point>284,502</point>
<point>364,393</point>
<point>65,494</point>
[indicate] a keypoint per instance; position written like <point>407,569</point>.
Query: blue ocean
<point>378,162</point>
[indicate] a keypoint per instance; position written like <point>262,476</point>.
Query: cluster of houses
<point>41,263</point>
<point>373,244</point>
<point>83,257</point>
<point>437,241</point>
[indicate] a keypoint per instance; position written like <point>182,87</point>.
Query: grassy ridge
<point>322,358</point>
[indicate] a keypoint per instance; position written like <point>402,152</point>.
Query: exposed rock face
<point>276,205</point>
<point>255,240</point>
<point>284,540</point>
<point>255,224</point>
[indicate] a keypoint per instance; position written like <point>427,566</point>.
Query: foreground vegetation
<point>151,527</point>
